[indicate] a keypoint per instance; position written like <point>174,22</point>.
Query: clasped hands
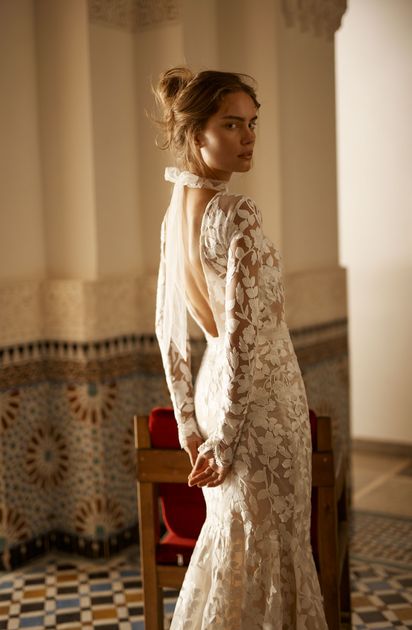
<point>205,471</point>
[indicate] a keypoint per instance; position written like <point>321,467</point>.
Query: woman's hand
<point>193,443</point>
<point>207,473</point>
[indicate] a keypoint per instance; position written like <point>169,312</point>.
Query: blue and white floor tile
<point>66,592</point>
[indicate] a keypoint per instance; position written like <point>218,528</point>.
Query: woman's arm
<point>242,312</point>
<point>177,369</point>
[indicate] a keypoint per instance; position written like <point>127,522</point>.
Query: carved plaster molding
<point>79,310</point>
<point>320,17</point>
<point>74,309</point>
<point>133,15</point>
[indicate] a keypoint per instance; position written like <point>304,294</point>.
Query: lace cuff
<point>186,430</point>
<point>222,456</point>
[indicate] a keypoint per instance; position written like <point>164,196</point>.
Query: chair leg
<point>345,602</point>
<point>152,594</point>
<point>153,607</point>
<point>328,555</point>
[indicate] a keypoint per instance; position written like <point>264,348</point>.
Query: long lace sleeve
<point>241,317</point>
<point>177,370</point>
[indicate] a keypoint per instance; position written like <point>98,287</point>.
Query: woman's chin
<point>245,166</point>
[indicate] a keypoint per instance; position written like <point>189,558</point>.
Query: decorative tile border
<point>61,361</point>
<point>69,543</point>
<point>328,338</point>
<point>67,403</point>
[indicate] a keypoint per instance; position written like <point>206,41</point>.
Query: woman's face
<point>226,143</point>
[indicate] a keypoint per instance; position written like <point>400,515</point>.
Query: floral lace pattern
<point>252,567</point>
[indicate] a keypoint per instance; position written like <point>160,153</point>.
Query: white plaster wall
<point>157,49</point>
<point>374,105</point>
<point>115,144</point>
<point>308,150</point>
<point>62,35</point>
<point>21,217</point>
<point>200,38</point>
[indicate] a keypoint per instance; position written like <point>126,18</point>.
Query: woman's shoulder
<point>238,209</point>
<point>231,203</point>
<point>229,215</point>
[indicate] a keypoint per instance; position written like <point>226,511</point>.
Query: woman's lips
<point>246,156</point>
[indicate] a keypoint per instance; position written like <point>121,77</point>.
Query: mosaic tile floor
<point>381,596</point>
<point>66,592</point>
<point>71,593</point>
<point>381,543</point>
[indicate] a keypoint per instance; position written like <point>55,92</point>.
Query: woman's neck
<point>208,173</point>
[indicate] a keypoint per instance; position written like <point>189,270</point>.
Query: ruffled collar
<point>186,178</point>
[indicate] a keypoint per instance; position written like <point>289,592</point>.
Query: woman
<point>245,423</point>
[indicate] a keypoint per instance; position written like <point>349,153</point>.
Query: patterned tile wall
<point>66,439</point>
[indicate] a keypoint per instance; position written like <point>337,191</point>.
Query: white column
<point>116,151</point>
<point>21,213</point>
<point>374,104</point>
<point>66,133</point>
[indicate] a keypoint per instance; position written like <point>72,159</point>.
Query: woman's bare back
<point>195,202</point>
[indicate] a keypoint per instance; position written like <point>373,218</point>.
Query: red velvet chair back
<point>183,508</point>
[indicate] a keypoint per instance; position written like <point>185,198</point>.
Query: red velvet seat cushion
<point>183,509</point>
<point>172,549</point>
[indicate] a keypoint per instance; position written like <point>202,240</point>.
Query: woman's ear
<point>199,139</point>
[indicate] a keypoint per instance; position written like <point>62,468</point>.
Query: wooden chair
<point>157,467</point>
<point>330,522</point>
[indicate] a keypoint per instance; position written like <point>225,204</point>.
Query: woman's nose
<point>248,136</point>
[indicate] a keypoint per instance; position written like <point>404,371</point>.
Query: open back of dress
<point>197,294</point>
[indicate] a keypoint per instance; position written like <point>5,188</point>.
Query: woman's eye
<point>253,125</point>
<point>231,126</point>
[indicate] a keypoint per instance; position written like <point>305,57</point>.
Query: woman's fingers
<point>198,469</point>
<point>200,477</point>
<point>193,455</point>
<point>200,464</point>
<point>209,477</point>
<point>221,476</point>
<point>205,472</point>
<point>214,484</point>
<point>191,447</point>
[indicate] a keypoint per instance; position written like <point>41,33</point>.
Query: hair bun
<point>171,83</point>
<point>186,101</point>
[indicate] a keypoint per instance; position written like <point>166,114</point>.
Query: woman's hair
<point>187,101</point>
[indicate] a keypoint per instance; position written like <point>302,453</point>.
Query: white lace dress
<point>252,567</point>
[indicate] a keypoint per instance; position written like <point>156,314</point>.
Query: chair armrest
<point>162,465</point>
